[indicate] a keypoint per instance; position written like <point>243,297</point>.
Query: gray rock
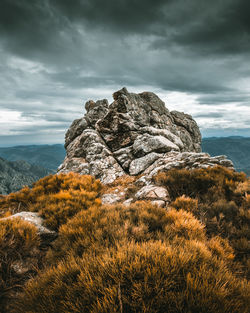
<point>152,192</point>
<point>187,128</point>
<point>137,166</point>
<point>135,134</point>
<point>88,154</point>
<point>96,110</point>
<point>146,143</point>
<point>124,157</point>
<point>165,133</point>
<point>76,128</point>
<point>111,198</point>
<point>188,160</point>
<point>128,202</point>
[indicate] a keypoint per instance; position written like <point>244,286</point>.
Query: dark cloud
<point>56,54</point>
<point>223,27</point>
<point>208,26</point>
<point>116,15</point>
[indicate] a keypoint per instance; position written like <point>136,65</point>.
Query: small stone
<point>110,198</point>
<point>128,202</point>
<point>152,192</point>
<point>159,203</point>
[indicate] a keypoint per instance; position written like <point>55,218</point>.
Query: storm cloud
<point>57,54</point>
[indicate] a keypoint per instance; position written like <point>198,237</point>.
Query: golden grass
<point>18,241</point>
<point>139,277</point>
<point>189,257</point>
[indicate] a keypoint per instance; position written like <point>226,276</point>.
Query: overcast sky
<point>57,54</point>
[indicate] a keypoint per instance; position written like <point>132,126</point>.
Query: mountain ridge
<point>47,156</point>
<point>14,175</point>
<point>236,148</point>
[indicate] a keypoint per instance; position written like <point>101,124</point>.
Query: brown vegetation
<point>55,197</point>
<point>189,257</point>
<point>220,199</point>
<point>154,276</point>
<point>18,241</point>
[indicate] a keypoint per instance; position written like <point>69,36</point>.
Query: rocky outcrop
<point>135,134</point>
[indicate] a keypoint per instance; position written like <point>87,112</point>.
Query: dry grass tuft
<point>189,257</point>
<point>55,197</point>
<point>18,241</point>
<point>141,277</point>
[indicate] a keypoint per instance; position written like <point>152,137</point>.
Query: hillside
<point>137,219</point>
<point>236,149</point>
<point>47,156</point>
<point>15,175</point>
<point>188,256</point>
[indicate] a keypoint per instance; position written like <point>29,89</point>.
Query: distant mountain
<point>15,175</point>
<point>47,156</point>
<point>236,149</point>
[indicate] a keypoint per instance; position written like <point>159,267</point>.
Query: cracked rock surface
<point>135,134</point>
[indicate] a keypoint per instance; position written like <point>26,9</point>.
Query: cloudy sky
<point>57,54</point>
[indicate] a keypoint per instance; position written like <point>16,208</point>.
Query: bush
<point>18,241</point>
<point>104,227</point>
<point>189,257</point>
<point>219,198</point>
<point>146,277</point>
<point>201,183</point>
<point>55,197</point>
<point>186,203</point>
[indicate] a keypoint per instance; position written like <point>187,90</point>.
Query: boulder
<point>146,143</point>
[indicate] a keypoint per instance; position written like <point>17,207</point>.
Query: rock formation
<point>135,134</point>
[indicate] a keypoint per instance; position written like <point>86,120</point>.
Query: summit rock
<point>135,134</point>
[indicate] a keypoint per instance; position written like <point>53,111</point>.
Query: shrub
<point>138,277</point>
<point>219,198</point>
<point>186,203</point>
<point>200,183</point>
<point>55,197</point>
<point>189,257</point>
<point>104,227</point>
<point>18,241</point>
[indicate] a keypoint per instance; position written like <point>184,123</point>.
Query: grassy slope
<point>192,257</point>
